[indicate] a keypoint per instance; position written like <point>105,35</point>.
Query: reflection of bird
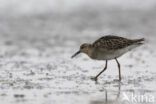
<point>107,48</point>
<point>111,97</point>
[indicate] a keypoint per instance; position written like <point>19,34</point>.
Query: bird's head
<point>84,48</point>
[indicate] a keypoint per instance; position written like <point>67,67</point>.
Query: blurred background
<point>74,20</point>
<point>37,38</point>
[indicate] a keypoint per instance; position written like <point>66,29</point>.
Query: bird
<point>108,48</point>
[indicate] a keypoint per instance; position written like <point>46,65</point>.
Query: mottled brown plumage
<point>114,42</point>
<point>108,48</point>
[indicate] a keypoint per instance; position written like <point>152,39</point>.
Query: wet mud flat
<point>32,75</point>
<point>36,68</point>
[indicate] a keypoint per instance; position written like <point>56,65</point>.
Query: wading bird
<point>108,48</point>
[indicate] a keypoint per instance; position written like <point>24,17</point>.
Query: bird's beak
<point>75,54</point>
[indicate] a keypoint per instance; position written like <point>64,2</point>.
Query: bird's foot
<point>94,79</point>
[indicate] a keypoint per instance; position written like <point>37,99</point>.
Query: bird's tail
<point>139,41</point>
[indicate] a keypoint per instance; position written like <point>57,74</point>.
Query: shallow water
<point>36,68</point>
<point>48,76</point>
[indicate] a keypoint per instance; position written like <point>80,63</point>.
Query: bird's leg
<point>96,77</point>
<point>119,69</point>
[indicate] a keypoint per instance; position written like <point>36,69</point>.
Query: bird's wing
<point>112,42</point>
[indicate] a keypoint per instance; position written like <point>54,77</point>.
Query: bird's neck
<point>90,52</point>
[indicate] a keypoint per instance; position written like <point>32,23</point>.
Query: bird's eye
<point>82,47</point>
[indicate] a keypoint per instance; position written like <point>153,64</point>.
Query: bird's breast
<point>108,54</point>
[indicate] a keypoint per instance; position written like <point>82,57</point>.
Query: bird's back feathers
<point>115,42</point>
